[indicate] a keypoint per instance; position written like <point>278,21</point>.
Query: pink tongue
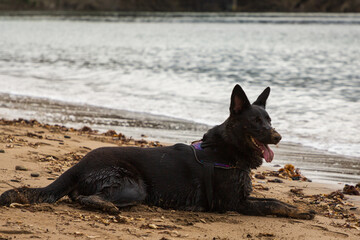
<point>268,153</point>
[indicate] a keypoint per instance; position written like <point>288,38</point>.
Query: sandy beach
<point>34,154</point>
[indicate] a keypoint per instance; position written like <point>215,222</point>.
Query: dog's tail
<point>53,192</point>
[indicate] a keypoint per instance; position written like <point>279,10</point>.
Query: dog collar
<point>197,146</point>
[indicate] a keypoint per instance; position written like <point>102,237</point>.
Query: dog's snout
<point>276,137</point>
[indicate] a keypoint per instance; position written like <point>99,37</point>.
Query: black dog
<point>210,175</point>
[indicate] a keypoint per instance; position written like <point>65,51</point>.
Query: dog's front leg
<point>269,206</point>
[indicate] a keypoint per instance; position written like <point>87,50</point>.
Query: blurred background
<point>166,69</point>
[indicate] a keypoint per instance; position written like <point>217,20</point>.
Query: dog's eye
<point>258,120</point>
<point>268,119</point>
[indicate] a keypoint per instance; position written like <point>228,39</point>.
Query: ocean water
<point>184,66</point>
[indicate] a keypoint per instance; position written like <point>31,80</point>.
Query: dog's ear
<point>261,100</point>
<point>239,100</point>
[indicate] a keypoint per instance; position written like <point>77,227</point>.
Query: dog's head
<point>249,125</point>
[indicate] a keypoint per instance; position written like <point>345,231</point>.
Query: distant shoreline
<point>34,12</point>
<point>185,6</point>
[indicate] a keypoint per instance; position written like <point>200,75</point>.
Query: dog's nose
<point>276,137</point>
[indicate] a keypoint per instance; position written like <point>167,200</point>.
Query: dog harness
<point>208,171</point>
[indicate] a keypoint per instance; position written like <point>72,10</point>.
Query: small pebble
<point>50,178</point>
<point>276,180</point>
<point>2,151</point>
<point>110,133</point>
<point>14,180</point>
<point>153,226</point>
<point>66,136</point>
<point>35,174</point>
<point>20,168</point>
<point>259,176</point>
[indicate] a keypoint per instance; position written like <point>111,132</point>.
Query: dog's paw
<point>305,215</point>
<point>97,202</point>
<point>111,208</point>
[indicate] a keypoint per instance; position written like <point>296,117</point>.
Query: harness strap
<point>209,172</point>
<point>209,178</point>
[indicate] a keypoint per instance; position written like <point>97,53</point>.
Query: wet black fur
<point>170,177</point>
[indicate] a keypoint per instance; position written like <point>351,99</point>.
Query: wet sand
<point>43,152</point>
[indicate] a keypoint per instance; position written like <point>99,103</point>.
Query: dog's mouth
<point>266,152</point>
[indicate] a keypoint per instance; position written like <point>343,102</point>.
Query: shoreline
<point>177,5</point>
<point>319,165</point>
<point>45,151</point>
<point>132,123</point>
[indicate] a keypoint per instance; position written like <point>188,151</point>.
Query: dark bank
<point>185,5</point>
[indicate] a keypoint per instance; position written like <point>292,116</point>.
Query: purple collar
<point>196,145</point>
